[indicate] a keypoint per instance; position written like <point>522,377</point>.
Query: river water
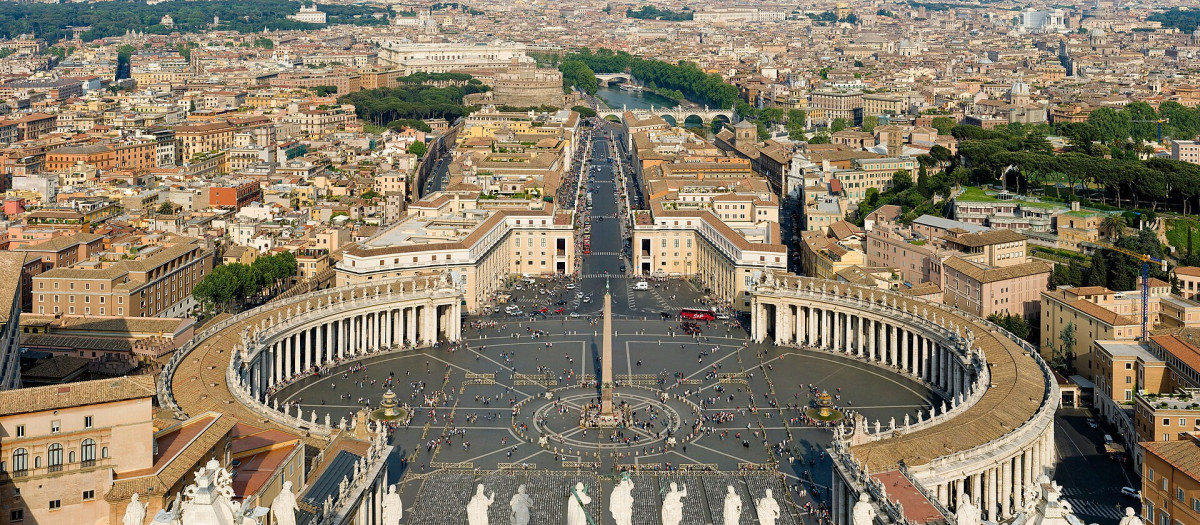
<point>616,97</point>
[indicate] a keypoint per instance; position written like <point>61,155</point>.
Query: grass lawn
<point>1177,230</point>
<point>976,194</point>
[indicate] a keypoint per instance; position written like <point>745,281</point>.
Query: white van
<point>641,285</point>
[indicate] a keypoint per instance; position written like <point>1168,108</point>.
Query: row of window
<point>54,457</point>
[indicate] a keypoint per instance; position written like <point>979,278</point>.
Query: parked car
<point>1092,423</point>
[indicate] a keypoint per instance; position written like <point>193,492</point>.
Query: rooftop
<point>55,397</point>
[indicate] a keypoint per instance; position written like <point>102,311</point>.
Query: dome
<point>1020,88</point>
<point>1098,32</point>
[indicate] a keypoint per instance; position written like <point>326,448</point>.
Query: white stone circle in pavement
<point>570,433</point>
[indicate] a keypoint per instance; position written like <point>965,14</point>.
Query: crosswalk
<point>605,253</point>
<point>607,275</point>
<point>1089,505</point>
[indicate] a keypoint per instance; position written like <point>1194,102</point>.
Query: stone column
<point>410,324</point>
<point>870,326</point>
<point>993,494</point>
<point>429,324</point>
<point>848,329</point>
<point>922,356</point>
<point>801,333</point>
<point>977,490</point>
<point>289,357</point>
<point>779,339</point>
<point>835,327</point>
<point>903,336</point>
<point>1026,473</point>
<point>893,344</point>
<point>1006,486</point>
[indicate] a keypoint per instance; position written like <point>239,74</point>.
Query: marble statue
<point>864,512</point>
<point>1130,518</point>
<point>967,513</point>
<point>520,504</point>
<point>135,512</point>
<point>393,508</point>
<point>672,508</point>
<point>767,509</point>
<point>733,506</point>
<point>327,420</point>
<point>478,506</point>
<point>283,509</point>
<point>577,506</point>
<point>620,504</point>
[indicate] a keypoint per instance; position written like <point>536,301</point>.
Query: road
<point>1091,481</point>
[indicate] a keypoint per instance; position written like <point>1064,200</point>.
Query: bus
<point>698,314</point>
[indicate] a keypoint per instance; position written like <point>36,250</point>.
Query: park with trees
<point>52,21</point>
<point>414,100</point>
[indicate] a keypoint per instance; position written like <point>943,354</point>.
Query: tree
<point>819,138</point>
<point>869,122</point>
<point>943,125</point>
<point>1113,226</point>
<point>901,180</point>
<point>584,111</point>
<point>1098,274</point>
<point>166,209</point>
<point>837,125</point>
<point>417,148</point>
<point>1065,355</point>
<point>1015,324</point>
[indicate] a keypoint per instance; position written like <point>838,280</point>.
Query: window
<point>55,426</point>
<point>20,460</point>
<point>87,421</point>
<point>16,515</point>
<point>55,504</point>
<point>89,495</point>
<point>20,431</point>
<point>54,456</point>
<point>1178,493</point>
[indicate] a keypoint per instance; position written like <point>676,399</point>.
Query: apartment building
<point>1186,151</point>
<point>195,139</point>
<point>1090,311</point>
<point>64,445</point>
<point>825,256</point>
<point>839,103</point>
<point>1171,481</point>
<point>234,194</point>
<point>149,276</point>
<point>983,289</point>
<point>13,269</point>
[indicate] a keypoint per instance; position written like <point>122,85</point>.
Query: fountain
<point>389,409</point>
<point>824,410</point>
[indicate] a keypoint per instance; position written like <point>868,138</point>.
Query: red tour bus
<point>697,314</point>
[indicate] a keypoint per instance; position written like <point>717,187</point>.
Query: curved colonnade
<point>987,443</point>
<point>234,365</point>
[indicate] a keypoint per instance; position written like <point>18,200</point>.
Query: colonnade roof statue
<point>209,501</point>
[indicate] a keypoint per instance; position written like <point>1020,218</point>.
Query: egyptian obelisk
<point>606,359</point>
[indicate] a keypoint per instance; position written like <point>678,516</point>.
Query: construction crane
<point>1146,260</point>
<point>1160,123</point>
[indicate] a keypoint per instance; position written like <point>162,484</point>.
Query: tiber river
<point>615,97</point>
